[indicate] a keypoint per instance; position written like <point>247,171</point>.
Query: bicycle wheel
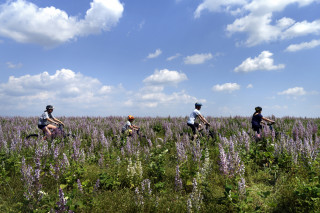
<point>32,136</point>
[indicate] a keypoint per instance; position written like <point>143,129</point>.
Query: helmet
<point>49,107</point>
<point>198,104</point>
<point>258,109</point>
<point>130,117</point>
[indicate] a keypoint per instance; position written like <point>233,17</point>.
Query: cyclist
<point>256,121</point>
<point>193,116</point>
<point>129,127</point>
<point>44,120</point>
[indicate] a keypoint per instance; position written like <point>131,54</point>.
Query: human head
<point>258,109</point>
<point>130,118</point>
<point>49,107</point>
<point>198,105</point>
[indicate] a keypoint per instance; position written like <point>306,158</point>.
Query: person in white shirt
<point>44,120</point>
<point>129,127</point>
<point>193,116</point>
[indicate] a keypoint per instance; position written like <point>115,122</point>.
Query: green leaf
<point>63,186</point>
<point>189,183</point>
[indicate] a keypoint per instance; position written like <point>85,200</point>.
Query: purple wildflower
<point>181,151</point>
<point>196,196</point>
<point>196,151</point>
<point>27,179</point>
<point>177,180</point>
<point>242,187</point>
<point>145,185</point>
<point>97,185</point>
<point>223,160</point>
<point>62,202</point>
<point>79,185</point>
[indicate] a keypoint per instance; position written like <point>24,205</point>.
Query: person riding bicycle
<point>193,116</point>
<point>256,120</point>
<point>129,127</point>
<point>44,120</point>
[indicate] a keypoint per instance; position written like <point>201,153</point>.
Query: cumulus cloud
<point>64,87</point>
<point>153,93</point>
<point>198,58</point>
<point>25,22</point>
<point>303,45</point>
<point>154,99</point>
<point>262,62</point>
<point>295,91</point>
<point>250,86</point>
<point>256,19</point>
<point>155,54</point>
<point>77,94</point>
<point>301,29</point>
<point>165,77</point>
<point>227,87</point>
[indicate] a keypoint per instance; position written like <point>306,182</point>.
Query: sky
<point>157,58</point>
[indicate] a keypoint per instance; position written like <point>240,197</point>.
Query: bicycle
<point>271,128</point>
<point>207,132</point>
<point>204,132</point>
<point>56,133</point>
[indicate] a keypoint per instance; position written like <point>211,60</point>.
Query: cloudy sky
<point>157,58</point>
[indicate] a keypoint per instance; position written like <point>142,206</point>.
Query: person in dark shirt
<point>256,120</point>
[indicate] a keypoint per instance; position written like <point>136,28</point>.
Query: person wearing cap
<point>256,121</point>
<point>193,116</point>
<point>129,127</point>
<point>45,121</point>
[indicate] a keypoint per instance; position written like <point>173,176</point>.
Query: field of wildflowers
<point>162,169</point>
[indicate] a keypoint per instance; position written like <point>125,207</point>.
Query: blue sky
<point>157,58</point>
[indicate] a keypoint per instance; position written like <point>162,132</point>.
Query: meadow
<point>162,169</point>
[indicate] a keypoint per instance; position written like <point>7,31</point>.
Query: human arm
<point>203,120</point>
<point>134,127</point>
<point>58,121</point>
<point>52,120</point>
<point>268,120</point>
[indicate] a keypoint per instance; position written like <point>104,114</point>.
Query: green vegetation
<point>161,170</point>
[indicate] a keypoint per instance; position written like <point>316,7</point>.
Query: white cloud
<point>227,87</point>
<point>303,45</point>
<point>25,22</point>
<point>295,91</point>
<point>255,18</point>
<point>217,6</point>
<point>301,29</point>
<point>105,90</point>
<point>76,94</point>
<point>152,97</point>
<point>250,86</point>
<point>161,98</point>
<point>198,58</point>
<point>263,62</point>
<point>173,57</point>
<point>64,87</point>
<point>165,77</point>
<point>13,66</point>
<point>155,54</point>
<point>153,94</point>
